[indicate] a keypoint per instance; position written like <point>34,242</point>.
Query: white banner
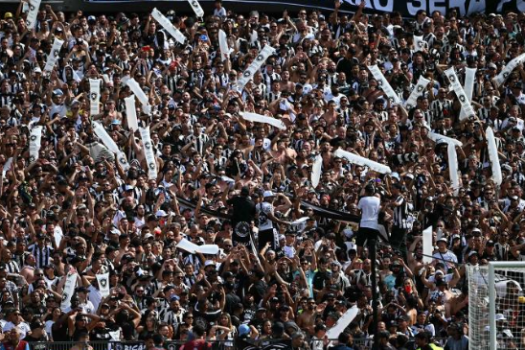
<point>428,247</point>
<point>110,144</point>
<point>470,76</point>
<point>69,289</point>
<point>504,74</point>
<point>435,137</point>
<point>257,118</point>
<point>453,167</point>
<point>34,143</point>
<point>199,12</point>
<point>135,88</point>
<point>497,177</point>
<point>103,284</point>
<point>355,159</point>
<point>342,323</point>
<point>94,96</point>
<point>166,24</point>
<point>131,113</point>
<point>419,43</point>
<point>384,84</point>
<point>148,153</point>
<point>190,247</point>
<point>7,166</point>
<point>31,19</point>
<point>316,170</point>
<point>418,91</point>
<point>458,89</point>
<point>223,45</point>
<point>299,225</point>
<point>247,75</point>
<point>53,55</point>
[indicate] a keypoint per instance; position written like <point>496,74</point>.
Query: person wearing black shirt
<point>242,216</point>
<point>38,336</point>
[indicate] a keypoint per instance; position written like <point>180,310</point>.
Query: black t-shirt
<point>319,279</point>
<point>36,344</point>
<point>243,214</point>
<point>60,333</point>
<point>100,334</point>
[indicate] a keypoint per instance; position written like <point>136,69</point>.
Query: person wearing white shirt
<point>369,205</point>
<point>444,255</point>
<point>15,321</point>
<point>219,10</point>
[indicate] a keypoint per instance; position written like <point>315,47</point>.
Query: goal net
<point>497,306</point>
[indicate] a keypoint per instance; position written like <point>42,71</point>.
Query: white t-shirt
<point>24,328</point>
<point>448,256</point>
<point>263,209</point>
<point>370,211</point>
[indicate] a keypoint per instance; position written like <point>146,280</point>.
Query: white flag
<point>53,55</point>
<point>316,170</point>
<point>34,143</point>
<point>110,144</point>
<point>299,225</point>
<point>34,6</point>
<point>263,55</point>
<point>458,89</point>
<point>419,43</point>
<point>223,45</point>
<point>342,323</point>
<point>504,74</point>
<point>355,159</point>
<point>470,75</point>
<point>427,245</point>
<point>166,24</point>
<point>148,153</point>
<point>384,84</point>
<point>199,12</point>
<point>69,289</point>
<point>453,167</point>
<point>420,87</point>
<point>103,284</point>
<point>131,113</point>
<point>494,157</point>
<point>135,88</point>
<point>257,118</point>
<point>435,137</point>
<point>94,96</point>
<point>7,166</point>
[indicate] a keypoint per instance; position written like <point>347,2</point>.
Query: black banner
<point>319,211</point>
<point>407,8</point>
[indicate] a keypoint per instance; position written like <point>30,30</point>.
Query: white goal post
<point>497,306</point>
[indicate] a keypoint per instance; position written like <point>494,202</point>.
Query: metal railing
<point>364,344</point>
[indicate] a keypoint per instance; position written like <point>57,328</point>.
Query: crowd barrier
<point>364,344</point>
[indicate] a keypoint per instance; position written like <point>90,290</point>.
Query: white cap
<point>148,235</point>
<point>209,263</point>
<point>161,214</point>
<point>500,317</point>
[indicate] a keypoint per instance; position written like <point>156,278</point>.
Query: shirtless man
<point>306,320</point>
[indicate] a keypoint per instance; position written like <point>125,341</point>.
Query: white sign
<point>34,143</point>
<point>428,247</point>
<point>148,153</point>
<point>53,55</point>
<point>94,96</point>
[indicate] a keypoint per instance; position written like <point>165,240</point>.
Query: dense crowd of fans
<point>239,185</point>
